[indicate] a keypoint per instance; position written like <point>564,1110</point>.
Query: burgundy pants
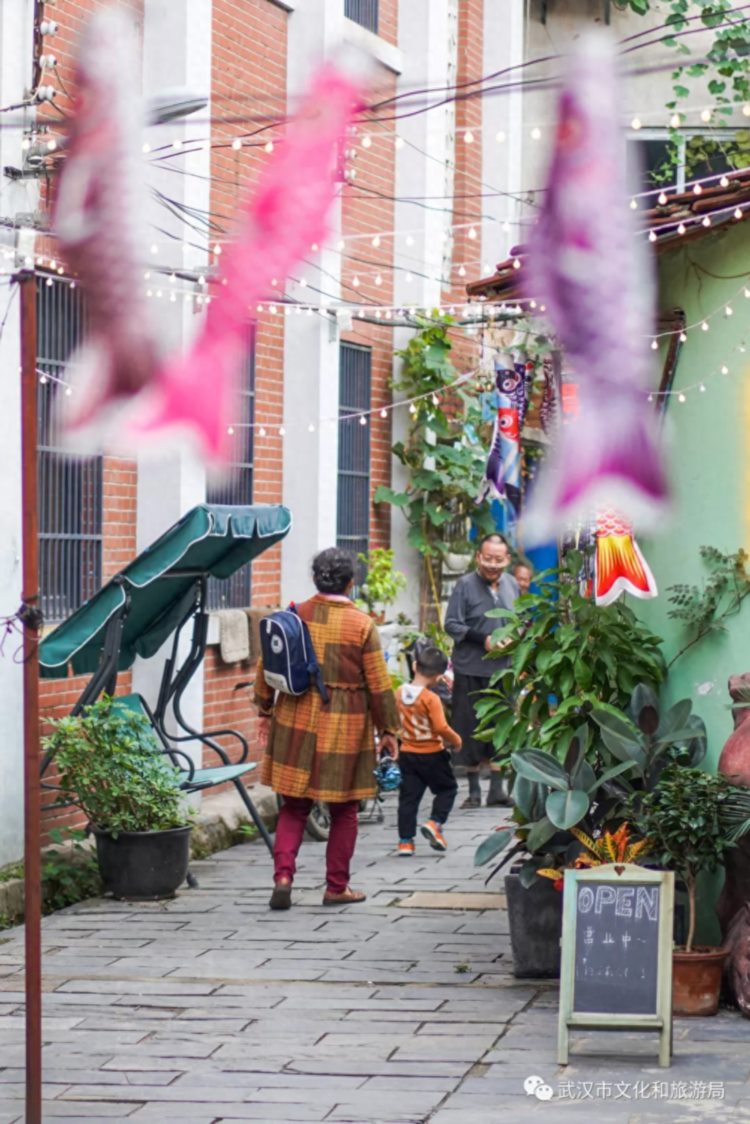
<point>341,840</point>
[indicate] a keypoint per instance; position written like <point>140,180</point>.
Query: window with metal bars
<point>353,501</point>
<point>236,487</point>
<point>363,12</point>
<point>69,488</point>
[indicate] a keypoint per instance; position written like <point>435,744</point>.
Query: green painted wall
<point>709,458</point>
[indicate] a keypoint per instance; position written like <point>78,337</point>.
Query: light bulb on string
<point>681,228</point>
<point>707,220</point>
<point>729,311</point>
<point>725,370</point>
<point>697,189</point>
<point>384,413</point>
<point>362,420</point>
<point>378,279</point>
<point>683,337</point>
<point>633,204</point>
<point>636,124</point>
<point>472,233</point>
<point>282,431</point>
<point>468,137</point>
<point>366,141</point>
<point>230,430</point>
<point>399,142</point>
<point>461,271</point>
<point>662,198</point>
<point>376,241</point>
<point>680,397</point>
<point>704,326</point>
<point>311,427</point>
<point>500,137</point>
<point>262,431</point>
<point>654,345</point>
<point>746,292</point>
<point>268,146</point>
<point>674,121</point>
<point>236,144</point>
<point>724,181</point>
<point>536,133</point>
<point>706,116</point>
<point>738,213</point>
<point>355,281</point>
<point>702,388</point>
<point>409,239</point>
<point>652,236</point>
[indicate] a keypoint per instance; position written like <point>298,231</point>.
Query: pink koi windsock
<point>592,271</point>
<point>98,216</point>
<point>285,215</point>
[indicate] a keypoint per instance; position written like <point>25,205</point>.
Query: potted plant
<point>109,765</point>
<point>570,657</point>
<point>382,583</point>
<point>551,799</point>
<point>687,817</point>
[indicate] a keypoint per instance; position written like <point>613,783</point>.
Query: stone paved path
<point>211,1008</point>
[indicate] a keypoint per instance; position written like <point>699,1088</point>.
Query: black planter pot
<point>143,865</point>
<point>535,922</point>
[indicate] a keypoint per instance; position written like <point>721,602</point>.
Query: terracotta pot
<point>696,980</point>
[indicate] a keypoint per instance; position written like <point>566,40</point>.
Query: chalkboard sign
<point>616,964</point>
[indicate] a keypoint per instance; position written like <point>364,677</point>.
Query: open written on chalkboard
<point>616,964</point>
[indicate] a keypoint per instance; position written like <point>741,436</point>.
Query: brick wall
<point>119,477</point>
<point>468,174</point>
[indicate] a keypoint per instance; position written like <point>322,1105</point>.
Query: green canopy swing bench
<point>154,598</point>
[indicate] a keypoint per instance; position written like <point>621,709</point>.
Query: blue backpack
<point>289,661</point>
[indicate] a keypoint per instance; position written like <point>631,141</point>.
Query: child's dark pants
<point>420,771</point>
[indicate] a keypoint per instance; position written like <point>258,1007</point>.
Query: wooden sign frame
<point>661,1020</point>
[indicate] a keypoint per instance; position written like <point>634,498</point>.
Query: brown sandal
<point>347,897</point>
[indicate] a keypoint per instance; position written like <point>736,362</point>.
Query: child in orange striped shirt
<point>423,759</point>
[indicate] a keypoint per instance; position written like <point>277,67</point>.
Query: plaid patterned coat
<point>327,752</point>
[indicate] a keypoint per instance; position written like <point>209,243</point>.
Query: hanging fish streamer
<point>589,267</point>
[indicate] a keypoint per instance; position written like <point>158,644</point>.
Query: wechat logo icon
<point>535,1086</point>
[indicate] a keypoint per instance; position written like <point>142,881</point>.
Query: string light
<point>236,144</point>
<point>662,198</point>
<point>636,124</point>
<point>674,120</point>
<point>500,137</point>
<point>738,213</point>
<point>536,134</point>
<point>468,137</point>
<point>366,141</point>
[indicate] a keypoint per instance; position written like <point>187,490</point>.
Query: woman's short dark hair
<point>332,570</point>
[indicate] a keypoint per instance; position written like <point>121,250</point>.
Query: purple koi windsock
<point>591,269</point>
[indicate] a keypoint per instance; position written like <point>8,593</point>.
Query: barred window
<point>363,12</point>
<point>69,488</point>
<point>353,511</point>
<point>236,487</point>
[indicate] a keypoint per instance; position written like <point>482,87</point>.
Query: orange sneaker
<point>434,832</point>
<point>406,847</point>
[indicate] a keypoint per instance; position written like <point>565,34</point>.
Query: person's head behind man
<point>493,556</point>
<point>523,574</point>
<point>430,663</point>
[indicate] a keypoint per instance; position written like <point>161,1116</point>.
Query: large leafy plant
<point>690,818</point>
<point>382,583</point>
<point>598,782</point>
<point>108,765</point>
<point>444,460</point>
<point>567,657</point>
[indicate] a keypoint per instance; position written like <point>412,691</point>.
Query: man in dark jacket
<point>490,586</point>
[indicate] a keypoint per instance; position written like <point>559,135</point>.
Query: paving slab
<point>210,1008</point>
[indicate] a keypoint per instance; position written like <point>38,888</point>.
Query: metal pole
<point>31,622</point>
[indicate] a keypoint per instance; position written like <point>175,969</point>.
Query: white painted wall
<point>177,53</point>
<point>502,128</point>
<point>15,78</point>
<point>311,344</point>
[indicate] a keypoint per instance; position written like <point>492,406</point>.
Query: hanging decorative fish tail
<point>279,222</point>
<point>619,565</point>
<point>591,269</point>
<point>97,217</point>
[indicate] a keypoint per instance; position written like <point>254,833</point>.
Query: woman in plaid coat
<point>326,751</point>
